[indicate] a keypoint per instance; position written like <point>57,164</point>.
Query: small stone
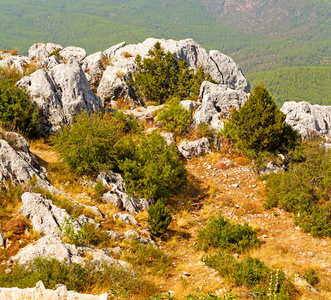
<point>236,256</point>
<point>8,271</point>
<point>236,206</point>
<point>264,236</point>
<point>297,228</point>
<point>236,185</point>
<point>186,273</point>
<point>311,254</point>
<point>254,185</point>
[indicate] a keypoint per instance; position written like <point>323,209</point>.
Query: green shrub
<point>121,282</point>
<point>252,273</point>
<point>88,234</point>
<point>154,170</point>
<point>221,234</point>
<point>95,143</point>
<point>159,217</point>
<point>174,117</point>
<point>311,277</point>
<point>258,129</point>
<point>161,77</point>
<point>304,188</point>
<point>149,256</point>
<point>17,112</point>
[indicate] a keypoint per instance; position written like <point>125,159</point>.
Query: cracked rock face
<point>45,217</point>
<point>217,103</point>
<point>17,62</point>
<point>18,164</point>
<point>41,51</point>
<point>60,93</point>
<point>308,119</point>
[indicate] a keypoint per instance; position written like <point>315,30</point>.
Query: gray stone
<point>45,217</point>
<point>114,235</point>
<point>125,218</point>
<point>93,67</point>
<point>189,104</point>
<point>308,119</point>
<point>195,148</point>
<point>50,62</point>
<point>60,93</point>
<point>118,197</point>
<point>73,52</point>
<point>2,240</point>
<point>217,103</point>
<point>41,51</point>
<point>132,235</point>
<point>16,62</point>
<point>19,165</point>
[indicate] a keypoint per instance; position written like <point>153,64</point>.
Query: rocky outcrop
<point>41,51</point>
<point>46,218</point>
<point>195,148</point>
<point>144,114</point>
<point>189,104</point>
<point>17,163</point>
<point>217,103</point>
<point>308,119</point>
<point>132,236</point>
<point>221,67</point>
<point>60,93</point>
<point>117,195</point>
<point>51,246</point>
<point>40,292</point>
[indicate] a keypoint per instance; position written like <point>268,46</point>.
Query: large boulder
<point>308,119</point>
<point>41,51</point>
<point>221,67</point>
<point>18,164</point>
<point>60,93</point>
<point>217,103</point>
<point>117,195</point>
<point>195,148</point>
<point>46,218</point>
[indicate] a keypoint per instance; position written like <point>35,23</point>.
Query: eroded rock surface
<point>60,93</point>
<point>217,103</point>
<point>308,119</point>
<point>41,51</point>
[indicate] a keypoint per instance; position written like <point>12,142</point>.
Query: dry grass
<point>126,54</point>
<point>122,103</point>
<point>120,74</point>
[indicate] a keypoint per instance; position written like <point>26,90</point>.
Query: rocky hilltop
<point>66,82</point>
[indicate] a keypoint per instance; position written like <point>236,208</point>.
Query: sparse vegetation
<point>16,110</point>
<point>221,234</point>
<point>304,188</point>
<point>174,117</point>
<point>120,282</point>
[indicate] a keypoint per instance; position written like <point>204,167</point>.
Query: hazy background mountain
<point>275,37</point>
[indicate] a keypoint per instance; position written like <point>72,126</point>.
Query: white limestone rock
<point>125,218</point>
<point>41,51</point>
<point>93,66</point>
<point>46,218</point>
<point>73,52</point>
<point>2,240</point>
<point>16,62</point>
<point>217,103</point>
<point>60,93</point>
<point>308,119</point>
<point>195,148</point>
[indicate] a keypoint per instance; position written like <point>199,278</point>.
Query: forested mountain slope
<point>259,35</point>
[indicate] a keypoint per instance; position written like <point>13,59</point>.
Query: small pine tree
<point>259,127</point>
<point>159,217</point>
